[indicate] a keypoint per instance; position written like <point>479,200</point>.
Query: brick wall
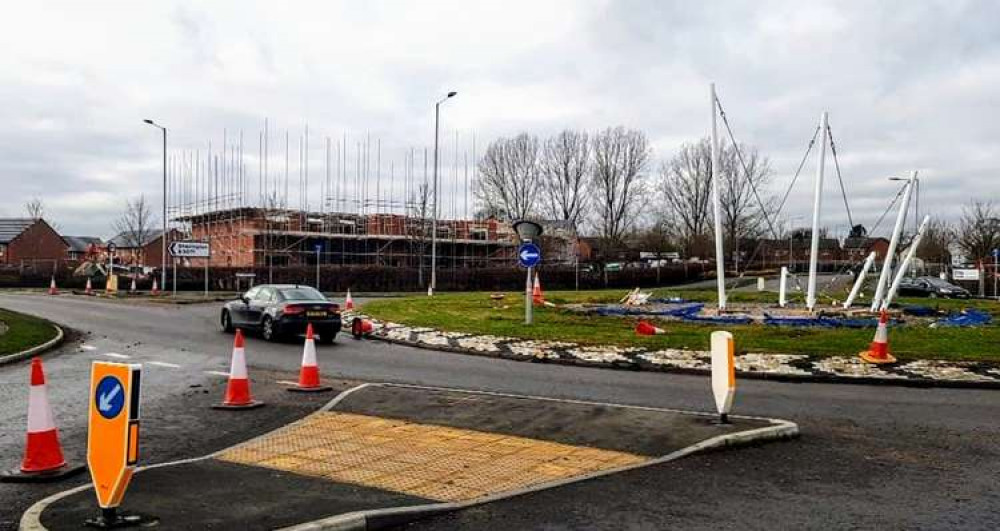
<point>38,242</point>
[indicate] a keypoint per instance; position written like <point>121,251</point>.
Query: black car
<point>931,287</point>
<point>283,310</point>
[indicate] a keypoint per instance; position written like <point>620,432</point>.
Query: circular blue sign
<point>109,397</point>
<point>528,255</point>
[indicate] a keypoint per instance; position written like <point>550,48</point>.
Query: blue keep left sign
<point>110,397</point>
<point>528,255</point>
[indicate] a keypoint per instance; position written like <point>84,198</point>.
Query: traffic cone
<point>349,303</point>
<point>646,329</point>
<point>238,388</point>
<point>309,374</point>
<point>43,456</point>
<point>131,289</point>
<point>89,290</point>
<point>537,298</point>
<point>156,288</point>
<point>361,328</point>
<point>878,352</point>
<point>52,287</point>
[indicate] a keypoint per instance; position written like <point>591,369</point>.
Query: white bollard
<point>723,373</point>
<point>783,288</point>
<point>761,284</point>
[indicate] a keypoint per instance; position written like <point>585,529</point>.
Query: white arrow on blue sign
<point>528,255</point>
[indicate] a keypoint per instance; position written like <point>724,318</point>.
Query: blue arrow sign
<point>996,253</point>
<point>109,396</point>
<point>528,255</point>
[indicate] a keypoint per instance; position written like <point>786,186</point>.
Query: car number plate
<point>315,314</point>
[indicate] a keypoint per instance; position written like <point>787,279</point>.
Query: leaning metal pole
<point>434,222</point>
<point>817,208</point>
<point>720,262</point>
<point>860,281</point>
<point>884,276</point>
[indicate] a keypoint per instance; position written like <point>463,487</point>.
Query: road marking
<point>218,373</point>
<point>165,364</point>
<point>117,355</point>
<point>286,382</point>
<point>88,347</point>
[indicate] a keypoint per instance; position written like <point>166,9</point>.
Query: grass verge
<point>23,332</point>
<point>476,313</point>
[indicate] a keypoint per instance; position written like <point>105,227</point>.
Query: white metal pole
<point>175,278</point>
<point>720,263</point>
<point>783,287</point>
<point>905,264</point>
<point>883,279</point>
<point>860,280</point>
<point>817,210</point>
<point>317,269</point>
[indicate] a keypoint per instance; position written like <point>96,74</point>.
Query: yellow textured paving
<point>435,462</point>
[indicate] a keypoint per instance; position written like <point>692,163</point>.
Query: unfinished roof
<point>80,244</point>
<point>124,240</point>
<point>11,228</point>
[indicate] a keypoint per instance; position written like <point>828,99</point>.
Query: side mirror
<point>244,299</point>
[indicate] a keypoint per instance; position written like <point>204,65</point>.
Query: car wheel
<point>267,328</point>
<point>227,322</point>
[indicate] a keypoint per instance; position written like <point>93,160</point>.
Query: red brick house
<point>30,241</point>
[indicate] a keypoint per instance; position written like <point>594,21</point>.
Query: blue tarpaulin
<point>968,317</point>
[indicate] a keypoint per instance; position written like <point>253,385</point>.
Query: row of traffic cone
<point>89,289</point>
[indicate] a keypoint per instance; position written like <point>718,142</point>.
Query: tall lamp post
<point>163,236</point>
<point>434,227</point>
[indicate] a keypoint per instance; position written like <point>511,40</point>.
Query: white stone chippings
<point>770,363</point>
<point>398,334</point>
<point>539,349</point>
<point>853,368</point>
<point>433,338</point>
<point>943,371</point>
<point>603,354</point>
<point>481,343</point>
<point>684,359</point>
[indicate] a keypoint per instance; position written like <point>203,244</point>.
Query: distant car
<point>931,287</point>
<point>280,310</point>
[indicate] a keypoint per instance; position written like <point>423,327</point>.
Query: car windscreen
<point>937,282</point>
<point>302,294</point>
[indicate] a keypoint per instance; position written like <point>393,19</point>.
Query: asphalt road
<point>869,457</point>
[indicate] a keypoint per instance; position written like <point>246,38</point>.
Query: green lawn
<point>476,313</point>
<point>23,332</point>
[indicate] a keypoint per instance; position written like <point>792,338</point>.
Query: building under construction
<point>261,237</point>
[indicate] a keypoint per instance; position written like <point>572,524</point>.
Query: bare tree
<point>565,168</point>
<point>418,227</point>
<point>135,223</point>
<point>938,236</point>
<point>618,176</point>
<point>686,187</point>
<point>508,177</point>
<point>742,183</point>
<point>978,231</point>
<point>35,208</point>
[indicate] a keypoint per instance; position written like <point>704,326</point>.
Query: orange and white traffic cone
<point>537,297</point>
<point>156,288</point>
<point>89,290</point>
<point>238,388</point>
<point>349,303</point>
<point>646,329</point>
<point>361,328</point>
<point>52,287</point>
<point>878,352</point>
<point>43,456</point>
<point>309,374</point>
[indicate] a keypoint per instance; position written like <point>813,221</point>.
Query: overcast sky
<point>909,85</point>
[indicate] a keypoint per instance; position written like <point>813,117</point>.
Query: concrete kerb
<point>381,518</point>
<point>39,349</point>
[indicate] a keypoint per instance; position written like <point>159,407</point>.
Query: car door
<point>240,309</point>
<point>258,304</point>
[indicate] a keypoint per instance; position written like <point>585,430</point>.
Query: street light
<point>528,231</point>
<point>437,120</point>
<point>163,236</point>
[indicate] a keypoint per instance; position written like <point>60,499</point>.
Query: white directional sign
<point>189,249</point>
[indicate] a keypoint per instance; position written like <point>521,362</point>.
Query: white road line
<point>87,347</point>
<point>286,382</point>
<point>165,364</point>
<point>117,355</point>
<point>218,373</point>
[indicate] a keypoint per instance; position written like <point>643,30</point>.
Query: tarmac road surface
<point>869,456</point>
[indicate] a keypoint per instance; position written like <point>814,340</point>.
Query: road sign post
<point>996,273</point>
<point>528,256</point>
<point>319,248</point>
<point>723,373</point>
<point>113,438</point>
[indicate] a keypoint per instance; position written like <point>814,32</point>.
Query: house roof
<point>123,240</point>
<point>11,228</point>
<point>80,244</point>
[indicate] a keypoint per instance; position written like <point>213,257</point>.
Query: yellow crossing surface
<point>435,462</point>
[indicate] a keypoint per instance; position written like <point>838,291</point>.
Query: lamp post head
<point>452,94</point>
<point>527,230</point>
<point>148,121</point>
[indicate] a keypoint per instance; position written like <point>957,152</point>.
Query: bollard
<point>723,373</point>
